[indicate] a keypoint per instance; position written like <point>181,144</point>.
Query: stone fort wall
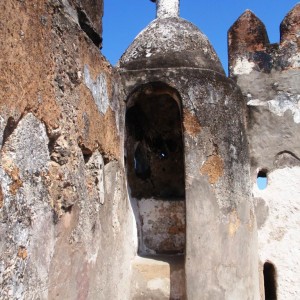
<point>67,226</point>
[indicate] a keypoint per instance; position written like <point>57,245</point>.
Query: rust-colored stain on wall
<point>190,123</point>
<point>22,252</point>
<point>251,221</point>
<point>163,229</point>
<point>1,197</point>
<point>13,172</point>
<point>213,168</point>
<point>234,223</point>
<point>28,70</point>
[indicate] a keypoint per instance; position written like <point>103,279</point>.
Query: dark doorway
<point>155,162</point>
<point>155,168</point>
<point>270,281</point>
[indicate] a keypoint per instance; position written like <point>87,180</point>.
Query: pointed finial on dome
<point>167,8</point>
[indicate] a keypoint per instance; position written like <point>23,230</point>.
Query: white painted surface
<point>98,89</point>
<point>167,8</point>
<point>295,61</point>
<point>283,102</point>
<point>279,237</point>
<point>243,66</point>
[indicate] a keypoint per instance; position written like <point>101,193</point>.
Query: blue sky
<point>123,20</point>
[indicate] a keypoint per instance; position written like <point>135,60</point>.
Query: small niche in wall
<point>262,179</point>
<point>270,281</point>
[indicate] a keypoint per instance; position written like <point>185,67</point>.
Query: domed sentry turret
<point>170,43</point>
<point>187,164</point>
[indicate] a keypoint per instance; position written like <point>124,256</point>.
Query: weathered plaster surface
<point>26,228</point>
<point>282,103</point>
<point>163,226</point>
<point>273,115</point>
<point>243,66</point>
<point>278,235</point>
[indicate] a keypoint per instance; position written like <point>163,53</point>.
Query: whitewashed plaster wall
<point>278,215</point>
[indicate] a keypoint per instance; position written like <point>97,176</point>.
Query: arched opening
<point>155,168</point>
<point>262,179</point>
<point>270,281</point>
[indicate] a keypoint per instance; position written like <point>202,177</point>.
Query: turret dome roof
<point>170,43</point>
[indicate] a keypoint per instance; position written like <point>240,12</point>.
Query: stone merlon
<point>247,34</point>
<point>290,26</point>
<point>250,49</point>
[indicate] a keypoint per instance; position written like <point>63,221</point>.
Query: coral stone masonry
<point>142,181</point>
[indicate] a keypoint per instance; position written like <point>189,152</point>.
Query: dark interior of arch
<point>155,158</point>
<point>270,281</point>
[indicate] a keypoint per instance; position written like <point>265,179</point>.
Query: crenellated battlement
<point>249,47</point>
